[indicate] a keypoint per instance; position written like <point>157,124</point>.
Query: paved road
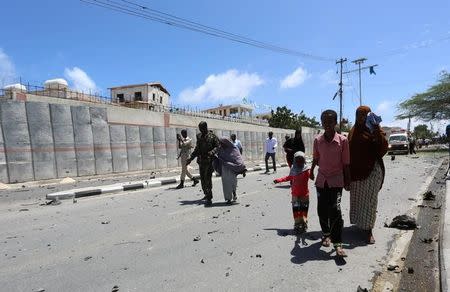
<point>144,240</point>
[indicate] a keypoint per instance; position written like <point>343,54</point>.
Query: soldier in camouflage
<point>205,150</point>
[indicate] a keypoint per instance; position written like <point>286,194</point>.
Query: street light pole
<point>341,62</point>
<point>359,62</point>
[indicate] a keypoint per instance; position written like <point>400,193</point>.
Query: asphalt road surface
<point>163,239</point>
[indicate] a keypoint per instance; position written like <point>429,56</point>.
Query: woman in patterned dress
<point>368,145</point>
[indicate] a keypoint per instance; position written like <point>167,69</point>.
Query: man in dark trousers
<point>205,150</point>
<point>271,148</point>
<point>293,145</point>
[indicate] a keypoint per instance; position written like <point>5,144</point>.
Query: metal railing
<point>65,93</point>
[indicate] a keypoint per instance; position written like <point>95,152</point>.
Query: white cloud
<point>79,80</point>
<point>329,77</point>
<point>295,79</point>
<point>230,85</point>
<point>7,69</point>
<point>384,107</point>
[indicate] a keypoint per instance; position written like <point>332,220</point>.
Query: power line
<point>138,10</point>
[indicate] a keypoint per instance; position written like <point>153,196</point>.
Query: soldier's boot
<point>196,181</point>
<point>181,185</point>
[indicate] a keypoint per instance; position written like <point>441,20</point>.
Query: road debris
<point>428,196</point>
<point>403,222</point>
<point>361,289</point>
<point>197,238</point>
<point>115,289</point>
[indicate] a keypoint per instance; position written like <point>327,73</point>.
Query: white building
<point>144,96</point>
<point>234,110</point>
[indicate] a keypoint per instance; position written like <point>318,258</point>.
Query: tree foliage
<point>286,119</point>
<point>433,104</point>
<point>422,131</point>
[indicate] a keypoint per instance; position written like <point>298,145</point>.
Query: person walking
<point>271,149</point>
<point>331,154</point>
<point>298,176</point>
<point>293,145</point>
<point>230,164</point>
<point>236,143</point>
<point>205,151</point>
<point>368,145</point>
<point>185,145</point>
<point>412,145</point>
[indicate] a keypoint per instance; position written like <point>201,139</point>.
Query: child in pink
<point>298,176</point>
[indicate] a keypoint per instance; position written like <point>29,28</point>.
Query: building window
<point>154,97</point>
<point>120,97</point>
<point>160,99</point>
<point>138,96</point>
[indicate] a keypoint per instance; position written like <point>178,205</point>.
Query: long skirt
<point>229,182</point>
<point>364,199</point>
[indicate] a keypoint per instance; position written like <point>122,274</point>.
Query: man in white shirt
<point>271,149</point>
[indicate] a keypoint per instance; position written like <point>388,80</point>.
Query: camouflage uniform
<point>205,149</point>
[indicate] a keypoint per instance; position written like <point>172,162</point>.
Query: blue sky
<point>95,48</point>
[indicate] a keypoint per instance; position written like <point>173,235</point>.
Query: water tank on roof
<point>15,87</point>
<point>56,83</point>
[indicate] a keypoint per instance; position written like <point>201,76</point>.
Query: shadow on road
<point>303,252</point>
<point>201,202</point>
<point>282,186</point>
<point>191,202</point>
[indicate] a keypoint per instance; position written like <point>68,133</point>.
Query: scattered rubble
<point>361,289</point>
<point>392,267</point>
<point>426,240</point>
<point>403,222</point>
<point>428,196</point>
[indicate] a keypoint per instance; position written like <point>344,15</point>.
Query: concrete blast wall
<point>63,140</point>
<point>147,148</point>
<point>133,148</point>
<point>42,140</point>
<point>118,148</point>
<point>17,141</point>
<point>102,141</point>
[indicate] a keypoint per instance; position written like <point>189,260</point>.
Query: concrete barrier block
<point>247,146</point>
<point>193,135</point>
<point>226,133</point>
<point>41,138</point>
<point>3,166</point>
<point>218,132</point>
<point>133,148</point>
<point>159,143</point>
<point>16,141</point>
<point>118,148</point>
<point>84,142</point>
<point>254,146</point>
<point>147,149</point>
<point>171,147</point>
<point>260,141</point>
<point>63,138</point>
<point>101,140</point>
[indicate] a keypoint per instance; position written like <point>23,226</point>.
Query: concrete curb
<point>128,186</point>
<point>444,242</point>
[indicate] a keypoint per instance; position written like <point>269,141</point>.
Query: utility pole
<point>359,62</point>
<point>341,62</point>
